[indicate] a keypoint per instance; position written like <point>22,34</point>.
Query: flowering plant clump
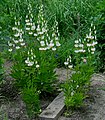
<point>86,47</point>
<point>76,87</point>
<point>17,40</point>
<point>35,61</point>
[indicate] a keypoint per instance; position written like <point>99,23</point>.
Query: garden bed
<point>12,105</point>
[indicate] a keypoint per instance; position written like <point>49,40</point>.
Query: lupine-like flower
<point>17,40</point>
<point>89,42</point>
<point>91,39</point>
<point>79,46</point>
<point>49,41</point>
<point>17,47</point>
<point>31,59</point>
<point>10,50</point>
<point>30,25</point>
<point>68,63</point>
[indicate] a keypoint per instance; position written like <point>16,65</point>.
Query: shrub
<point>33,52</point>
<point>100,22</point>
<point>75,89</point>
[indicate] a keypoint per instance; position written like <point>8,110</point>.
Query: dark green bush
<point>100,22</point>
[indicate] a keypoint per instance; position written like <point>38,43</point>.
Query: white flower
<point>26,16</point>
<point>38,28</point>
<point>70,66</point>
<point>27,21</point>
<point>14,28</point>
<point>76,41</point>
<point>76,45</point>
<point>16,41</point>
<point>27,28</point>
<point>31,21</point>
<point>67,59</point>
<point>84,60</point>
<point>95,37</point>
<point>30,33</point>
<point>72,93</point>
<point>90,36</point>
<point>35,34</point>
<point>30,63</point>
<point>36,62</point>
<point>54,49</point>
<point>17,35</point>
<point>89,44</point>
<point>42,48</point>
<point>15,23</point>
<point>20,40</point>
<point>10,50</point>
<point>77,86</point>
<point>66,63</point>
<point>53,34</point>
<point>95,31</point>
<point>80,45</point>
<point>31,15</point>
<point>76,51</point>
<point>22,44</point>
<point>33,27</point>
<point>91,24</point>
<point>84,51</point>
<point>93,49</point>
<point>32,57</point>
<point>17,47</point>
<point>37,66</point>
<point>92,52</point>
<point>13,45</point>
<point>94,43</point>
<point>79,40</point>
<point>40,33</point>
<point>58,44</point>
<point>43,30</point>
<point>27,61</point>
<point>56,38</point>
<point>81,50</point>
<point>88,50</point>
<point>18,22</point>
<point>10,44</point>
<point>42,43</point>
<point>51,45</point>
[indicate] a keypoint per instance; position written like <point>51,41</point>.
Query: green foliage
<point>72,15</point>
<point>32,33</point>
<point>75,89</point>
<point>100,22</point>
<point>30,95</point>
<point>46,77</point>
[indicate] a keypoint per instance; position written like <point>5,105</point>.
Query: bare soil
<point>12,106</point>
